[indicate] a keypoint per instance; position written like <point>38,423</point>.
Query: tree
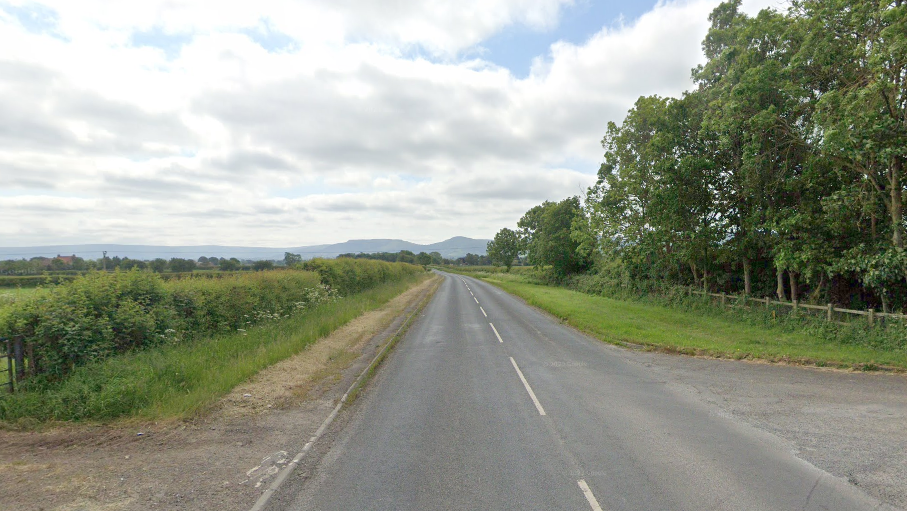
<point>546,231</point>
<point>180,265</point>
<point>406,256</point>
<point>436,258</point>
<point>505,247</point>
<point>423,259</point>
<point>291,260</point>
<point>158,265</point>
<point>262,265</point>
<point>232,264</point>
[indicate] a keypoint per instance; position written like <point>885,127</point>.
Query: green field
<point>185,379</point>
<point>17,292</point>
<point>675,330</point>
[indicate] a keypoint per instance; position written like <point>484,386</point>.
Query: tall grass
<point>184,379</point>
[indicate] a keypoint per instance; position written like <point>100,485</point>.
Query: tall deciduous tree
<point>546,232</point>
<point>505,247</point>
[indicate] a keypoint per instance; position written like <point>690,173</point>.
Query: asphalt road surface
<point>489,404</point>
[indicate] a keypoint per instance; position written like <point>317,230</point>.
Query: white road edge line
<point>497,334</point>
<point>483,311</point>
<point>535,400</point>
<point>476,299</point>
<point>589,496</point>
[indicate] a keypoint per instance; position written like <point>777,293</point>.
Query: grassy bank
<point>184,379</point>
<point>705,332</point>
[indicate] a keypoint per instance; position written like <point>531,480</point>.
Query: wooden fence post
<point>8,350</point>
<point>796,304</point>
<point>831,309</point>
<point>723,299</point>
<point>767,302</point>
<point>871,316</point>
<point>19,358</point>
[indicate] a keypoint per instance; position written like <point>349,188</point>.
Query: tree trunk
<point>896,207</point>
<point>817,293</point>
<point>705,280</point>
<point>747,277</point>
<point>782,296</point>
<point>794,288</point>
<point>695,274</point>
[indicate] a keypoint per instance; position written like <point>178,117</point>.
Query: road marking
<point>496,333</point>
<point>589,496</point>
<point>483,311</point>
<point>476,299</point>
<point>535,400</point>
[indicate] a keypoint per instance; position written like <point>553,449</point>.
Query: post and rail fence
<point>872,316</point>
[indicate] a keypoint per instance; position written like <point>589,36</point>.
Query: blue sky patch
<point>36,18</point>
<point>272,40</point>
<point>171,44</point>
<point>516,46</point>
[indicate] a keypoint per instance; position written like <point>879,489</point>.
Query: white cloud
<point>341,136</point>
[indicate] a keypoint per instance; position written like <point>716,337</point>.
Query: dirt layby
<point>219,462</point>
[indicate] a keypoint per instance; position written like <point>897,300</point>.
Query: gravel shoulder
<point>222,461</point>
<point>850,424</point>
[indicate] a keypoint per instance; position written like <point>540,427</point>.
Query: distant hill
<point>454,247</point>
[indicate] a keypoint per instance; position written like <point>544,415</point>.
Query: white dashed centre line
<point>538,406</point>
<point>483,311</point>
<point>495,331</point>
<point>589,496</point>
<point>476,299</point>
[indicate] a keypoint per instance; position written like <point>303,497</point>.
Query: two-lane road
<point>488,404</point>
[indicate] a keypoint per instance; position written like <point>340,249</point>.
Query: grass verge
<point>689,332</point>
<point>184,380</point>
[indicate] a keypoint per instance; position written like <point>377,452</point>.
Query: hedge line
<point>104,313</point>
<point>349,276</point>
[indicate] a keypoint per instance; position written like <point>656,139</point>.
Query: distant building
<point>69,260</point>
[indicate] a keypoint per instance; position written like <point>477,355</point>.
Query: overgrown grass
<point>182,380</point>
<point>695,327</point>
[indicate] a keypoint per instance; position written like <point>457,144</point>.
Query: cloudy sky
<point>295,122</point>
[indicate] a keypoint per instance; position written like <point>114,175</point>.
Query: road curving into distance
<point>489,404</point>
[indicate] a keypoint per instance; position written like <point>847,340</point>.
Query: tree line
<point>423,258</point>
<point>780,172</point>
<point>39,265</point>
